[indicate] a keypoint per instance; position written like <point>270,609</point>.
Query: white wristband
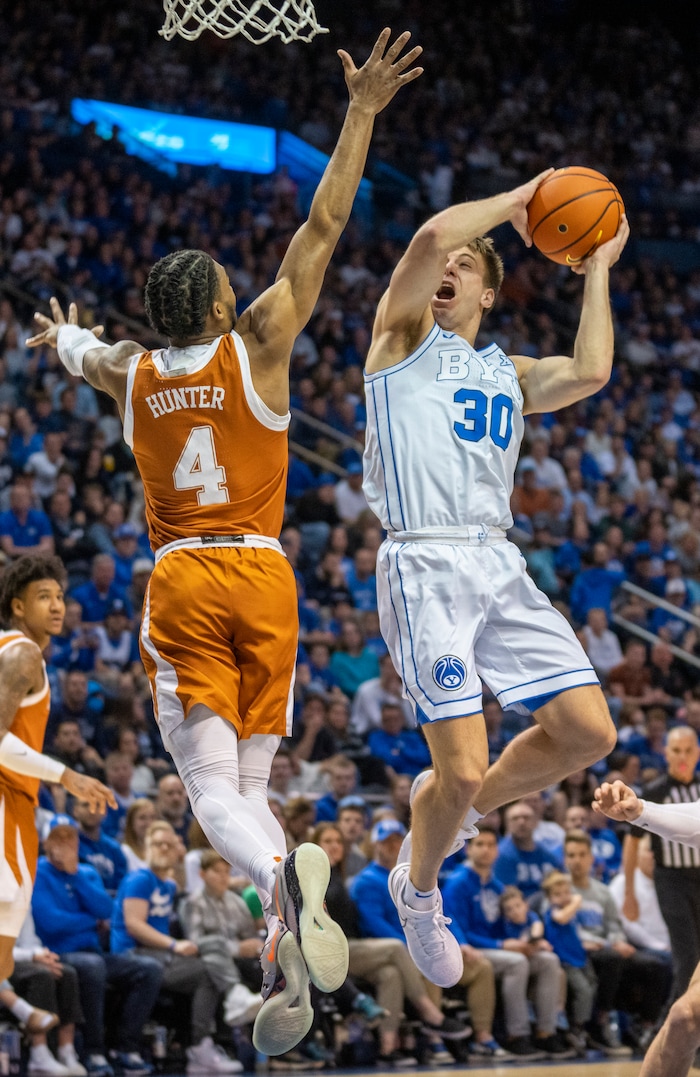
<point>18,756</point>
<point>72,344</point>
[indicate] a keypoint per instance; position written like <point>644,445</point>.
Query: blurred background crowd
<point>606,506</point>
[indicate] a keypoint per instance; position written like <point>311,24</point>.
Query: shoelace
<point>436,943</point>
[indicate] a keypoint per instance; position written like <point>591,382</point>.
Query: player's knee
<point>459,780</point>
<point>461,784</point>
<point>606,734</point>
<point>591,735</point>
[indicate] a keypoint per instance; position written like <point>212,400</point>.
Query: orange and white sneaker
<point>286,1014</point>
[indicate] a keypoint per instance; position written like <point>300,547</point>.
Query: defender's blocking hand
<point>376,82</point>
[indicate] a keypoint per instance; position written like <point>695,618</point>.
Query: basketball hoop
<point>292,20</point>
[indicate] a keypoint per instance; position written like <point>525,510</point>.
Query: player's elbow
<point>598,381</point>
<point>327,220</point>
<point>592,372</point>
<point>431,240</point>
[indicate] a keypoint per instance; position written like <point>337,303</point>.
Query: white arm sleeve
<point>18,756</point>
<point>675,822</point>
<point>72,344</point>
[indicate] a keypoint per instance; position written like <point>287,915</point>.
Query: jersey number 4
<point>198,469</point>
<point>480,418</point>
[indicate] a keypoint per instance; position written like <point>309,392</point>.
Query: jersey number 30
<point>479,417</point>
<point>198,469</point>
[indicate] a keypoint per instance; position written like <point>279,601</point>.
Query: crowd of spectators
<point>607,494</point>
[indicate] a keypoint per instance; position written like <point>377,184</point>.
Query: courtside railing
<point>650,637</point>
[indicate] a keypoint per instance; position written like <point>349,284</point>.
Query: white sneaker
<point>68,1057</point>
<point>461,837</point>
<point>241,1006</point>
<point>435,951</point>
<point>208,1057</point>
<point>43,1064</point>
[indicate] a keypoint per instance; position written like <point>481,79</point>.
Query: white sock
<point>420,900</point>
<point>471,818</point>
<point>22,1010</point>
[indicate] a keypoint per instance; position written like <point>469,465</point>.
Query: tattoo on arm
<point>20,674</point>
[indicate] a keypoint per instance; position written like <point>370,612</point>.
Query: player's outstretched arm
<point>674,822</point>
<point>282,312</point>
<point>557,381</point>
<point>21,673</point>
<point>83,354</point>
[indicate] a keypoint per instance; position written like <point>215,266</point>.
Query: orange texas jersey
<point>212,456</point>
<point>29,724</point>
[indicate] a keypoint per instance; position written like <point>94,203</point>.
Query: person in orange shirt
<point>528,498</point>
<point>207,420</point>
<point>32,608</point>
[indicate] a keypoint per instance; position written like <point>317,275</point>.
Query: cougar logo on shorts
<point>449,673</point>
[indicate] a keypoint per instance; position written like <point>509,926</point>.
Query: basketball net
<point>292,20</point>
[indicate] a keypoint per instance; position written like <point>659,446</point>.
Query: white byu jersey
<point>443,436</point>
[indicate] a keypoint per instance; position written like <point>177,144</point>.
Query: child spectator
<point>521,922</point>
<point>220,924</point>
<point>561,930</point>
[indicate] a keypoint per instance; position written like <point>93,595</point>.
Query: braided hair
<point>179,292</point>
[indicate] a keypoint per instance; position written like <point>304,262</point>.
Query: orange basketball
<point>572,212</point>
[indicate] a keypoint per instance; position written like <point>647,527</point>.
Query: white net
<point>292,20</point>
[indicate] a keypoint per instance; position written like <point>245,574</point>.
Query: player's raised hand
<point>522,196</point>
<point>98,796</point>
<point>607,253</point>
<point>386,70</point>
<point>50,326</point>
<point>617,801</point>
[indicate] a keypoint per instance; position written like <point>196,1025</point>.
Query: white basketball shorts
<point>456,615</point>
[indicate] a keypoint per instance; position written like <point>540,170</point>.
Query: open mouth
<point>445,291</point>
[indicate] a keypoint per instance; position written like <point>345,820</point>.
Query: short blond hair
<point>555,878</point>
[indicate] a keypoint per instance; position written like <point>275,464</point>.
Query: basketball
<point>572,212</point>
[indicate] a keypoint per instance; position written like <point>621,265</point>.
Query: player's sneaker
<point>286,1014</point>
<point>298,897</point>
<point>463,834</point>
<point>434,949</point>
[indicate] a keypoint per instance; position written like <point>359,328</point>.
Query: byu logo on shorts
<point>449,673</point>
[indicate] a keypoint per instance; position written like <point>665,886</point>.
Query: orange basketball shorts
<point>19,848</point>
<point>220,628</point>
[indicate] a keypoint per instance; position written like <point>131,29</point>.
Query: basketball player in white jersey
<point>207,419</point>
<point>444,426</point>
<point>673,1050</point>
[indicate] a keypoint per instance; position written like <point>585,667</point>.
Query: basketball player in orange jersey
<point>207,419</point>
<point>31,605</point>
